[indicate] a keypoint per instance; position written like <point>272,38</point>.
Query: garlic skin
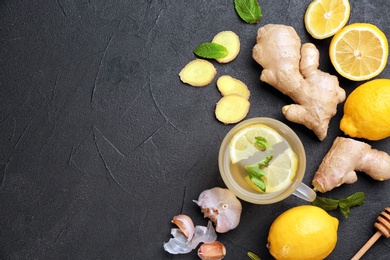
<point>212,251</point>
<point>222,207</point>
<point>185,224</point>
<point>179,244</point>
<point>204,234</point>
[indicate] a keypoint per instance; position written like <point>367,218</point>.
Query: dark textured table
<point>101,144</point>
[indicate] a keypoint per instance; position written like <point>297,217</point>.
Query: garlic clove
<point>185,224</point>
<point>222,207</point>
<point>212,251</point>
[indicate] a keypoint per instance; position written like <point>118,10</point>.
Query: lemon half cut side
<point>359,51</point>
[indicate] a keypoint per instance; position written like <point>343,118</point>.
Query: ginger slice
<point>198,73</point>
<point>292,69</point>
<point>345,157</point>
<point>231,109</point>
<point>228,85</point>
<point>231,42</point>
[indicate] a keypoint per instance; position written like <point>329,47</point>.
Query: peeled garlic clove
<point>185,224</point>
<point>222,207</point>
<point>212,251</point>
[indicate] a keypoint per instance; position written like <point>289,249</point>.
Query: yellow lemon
<point>359,51</point>
<point>367,111</point>
<point>303,232</point>
<point>243,144</point>
<point>279,173</point>
<point>324,18</point>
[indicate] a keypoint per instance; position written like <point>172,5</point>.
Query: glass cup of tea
<point>235,175</point>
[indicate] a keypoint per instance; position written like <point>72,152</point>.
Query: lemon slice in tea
<point>243,144</point>
<point>279,173</point>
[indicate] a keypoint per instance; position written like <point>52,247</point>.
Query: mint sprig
<point>248,10</point>
<point>261,143</point>
<point>256,172</point>
<point>344,204</point>
<point>211,50</point>
<point>265,162</point>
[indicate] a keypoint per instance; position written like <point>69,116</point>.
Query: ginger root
<point>345,157</point>
<point>293,70</point>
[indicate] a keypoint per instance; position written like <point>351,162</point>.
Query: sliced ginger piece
<point>198,73</point>
<point>231,42</point>
<point>231,109</point>
<point>228,85</point>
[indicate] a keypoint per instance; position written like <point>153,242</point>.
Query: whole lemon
<point>367,111</point>
<point>303,232</point>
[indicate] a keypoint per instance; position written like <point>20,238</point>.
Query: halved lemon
<point>243,143</point>
<point>279,173</point>
<point>359,51</point>
<point>324,18</point>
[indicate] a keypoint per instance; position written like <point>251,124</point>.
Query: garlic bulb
<point>180,244</point>
<point>222,207</point>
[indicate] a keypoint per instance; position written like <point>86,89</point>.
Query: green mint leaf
<point>259,182</point>
<point>248,10</point>
<point>265,162</point>
<point>254,171</point>
<point>253,256</point>
<point>344,204</point>
<point>255,174</point>
<point>261,143</point>
<point>344,208</point>
<point>355,199</point>
<point>325,203</point>
<point>211,50</point>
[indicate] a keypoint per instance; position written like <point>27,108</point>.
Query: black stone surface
<point>101,144</point>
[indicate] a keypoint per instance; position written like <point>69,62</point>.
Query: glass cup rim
<point>254,197</point>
